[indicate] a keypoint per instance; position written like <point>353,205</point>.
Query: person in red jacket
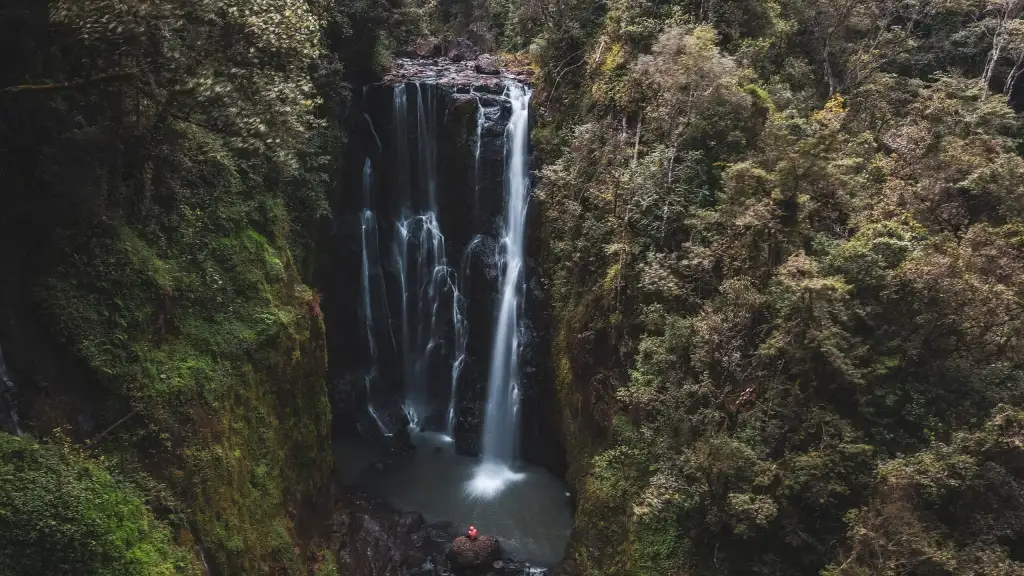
<point>472,532</point>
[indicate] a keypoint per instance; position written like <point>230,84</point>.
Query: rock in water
<point>487,64</point>
<point>466,553</point>
<point>461,49</point>
<point>410,522</point>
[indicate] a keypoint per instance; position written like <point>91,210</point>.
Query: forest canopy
<point>785,245</point>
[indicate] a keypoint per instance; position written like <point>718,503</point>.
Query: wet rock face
<point>487,64</point>
<point>461,49</point>
<point>460,76</point>
<point>454,100</point>
<point>482,552</point>
<point>371,539</point>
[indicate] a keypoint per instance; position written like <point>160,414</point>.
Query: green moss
<point>327,566</point>
<point>760,95</point>
<point>614,58</point>
<point>194,317</point>
<point>64,513</point>
<point>655,546</point>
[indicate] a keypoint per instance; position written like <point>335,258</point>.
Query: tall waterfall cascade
<point>501,419</point>
<point>424,260</point>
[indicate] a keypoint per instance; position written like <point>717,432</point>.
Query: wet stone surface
<point>463,76</point>
<point>479,553</point>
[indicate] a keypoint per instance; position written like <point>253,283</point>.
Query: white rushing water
<point>371,271</point>
<point>426,135</point>
<point>501,417</point>
<point>432,307</point>
<point>480,120</point>
<point>461,324</point>
<point>426,358</point>
<point>433,328</point>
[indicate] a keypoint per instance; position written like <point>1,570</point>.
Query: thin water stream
<point>501,420</point>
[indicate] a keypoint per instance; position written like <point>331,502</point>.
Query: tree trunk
<point>1012,78</point>
<point>993,58</point>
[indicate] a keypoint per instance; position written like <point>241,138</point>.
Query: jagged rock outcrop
<point>487,64</point>
<point>461,49</point>
<point>477,553</point>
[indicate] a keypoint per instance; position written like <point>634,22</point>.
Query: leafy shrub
<point>63,513</point>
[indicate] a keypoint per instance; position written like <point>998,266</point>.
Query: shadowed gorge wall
<point>164,169</point>
<point>424,147</point>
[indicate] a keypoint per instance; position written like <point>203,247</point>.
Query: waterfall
<point>400,254</point>
<point>430,338</point>
<point>479,138</point>
<point>430,280</point>
<point>373,131</point>
<point>400,113</point>
<point>426,143</point>
<point>9,418</point>
<point>480,119</point>
<point>419,257</point>
<point>461,325</point>
<point>371,269</point>
<point>501,417</point>
<point>202,559</point>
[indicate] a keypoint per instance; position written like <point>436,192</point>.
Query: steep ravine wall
<point>470,208</point>
<point>220,406</point>
<point>161,330</point>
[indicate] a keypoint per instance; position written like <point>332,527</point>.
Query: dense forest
<point>793,230</point>
<point>164,168</point>
<point>783,252</point>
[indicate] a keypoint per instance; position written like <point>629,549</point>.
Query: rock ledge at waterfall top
<point>465,76</point>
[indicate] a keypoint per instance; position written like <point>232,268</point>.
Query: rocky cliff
<point>430,140</point>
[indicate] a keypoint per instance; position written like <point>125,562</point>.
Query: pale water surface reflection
<point>530,512</point>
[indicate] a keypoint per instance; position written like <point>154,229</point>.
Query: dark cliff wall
<point>470,210</point>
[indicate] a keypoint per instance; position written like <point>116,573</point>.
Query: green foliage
<point>168,166</point>
<point>198,324</point>
<point>786,239</point>
<point>64,513</point>
<point>953,508</point>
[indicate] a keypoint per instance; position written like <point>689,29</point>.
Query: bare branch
<point>67,86</point>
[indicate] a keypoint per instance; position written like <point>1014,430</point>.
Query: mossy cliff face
<point>151,307</point>
<point>205,350</point>
<point>585,392</point>
<point>164,172</point>
<point>64,513</point>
